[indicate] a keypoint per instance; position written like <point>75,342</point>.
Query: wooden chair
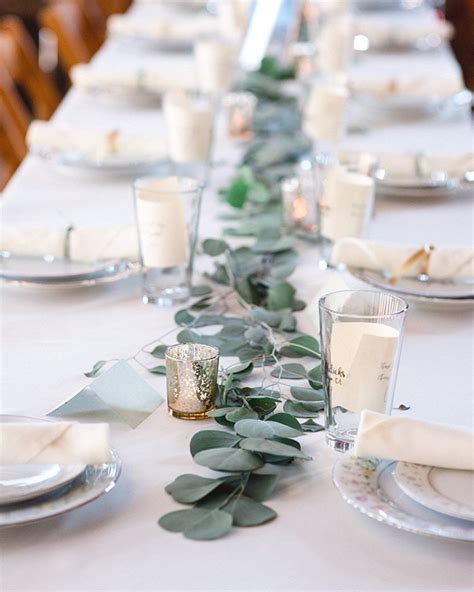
<point>14,122</point>
<point>18,55</point>
<point>78,31</point>
<point>109,7</point>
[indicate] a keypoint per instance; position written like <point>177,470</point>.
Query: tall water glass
<point>361,337</point>
<point>167,214</point>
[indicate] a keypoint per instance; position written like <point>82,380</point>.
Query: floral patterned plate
<point>370,486</point>
<point>447,491</point>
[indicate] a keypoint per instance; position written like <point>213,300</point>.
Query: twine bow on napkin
<point>421,256</point>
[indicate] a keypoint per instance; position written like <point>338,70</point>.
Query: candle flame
<point>300,209</point>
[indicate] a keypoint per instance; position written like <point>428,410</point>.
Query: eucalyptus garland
<point>249,316</point>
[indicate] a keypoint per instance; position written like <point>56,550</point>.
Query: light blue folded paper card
<point>119,395</point>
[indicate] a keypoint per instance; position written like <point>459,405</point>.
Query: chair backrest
<point>73,25</point>
<point>109,7</point>
<point>14,121</point>
<point>18,55</point>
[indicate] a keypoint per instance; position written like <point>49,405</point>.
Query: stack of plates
<point>420,499</point>
<point>55,272</point>
<point>437,186</point>
<point>29,493</point>
<point>421,290</point>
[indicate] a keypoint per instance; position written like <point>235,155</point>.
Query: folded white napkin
<point>177,74</point>
<point>444,262</point>
<point>164,27</point>
<point>390,32</point>
<point>411,166</point>
<point>214,61</point>
<point>409,86</point>
<point>96,145</point>
<point>62,442</point>
<point>189,127</point>
<point>415,441</point>
<point>82,244</point>
<point>324,112</point>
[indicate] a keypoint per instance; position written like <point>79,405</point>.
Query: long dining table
<point>317,542</point>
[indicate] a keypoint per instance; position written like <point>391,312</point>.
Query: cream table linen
<point>61,442</point>
<point>50,339</point>
<point>415,441</point>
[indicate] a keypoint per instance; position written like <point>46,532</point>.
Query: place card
<point>361,364</point>
<point>161,223</point>
<point>189,127</point>
<point>119,395</point>
<point>346,204</point>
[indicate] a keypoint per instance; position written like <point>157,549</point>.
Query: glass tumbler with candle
<point>191,379</point>
<point>167,215</point>
<point>361,337</point>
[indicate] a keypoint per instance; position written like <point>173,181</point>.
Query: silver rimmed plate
<point>19,483</point>
<point>421,290</point>
<point>53,272</point>
<point>447,491</point>
<point>369,485</point>
<point>93,482</point>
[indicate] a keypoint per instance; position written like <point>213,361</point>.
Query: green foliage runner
<point>261,424</point>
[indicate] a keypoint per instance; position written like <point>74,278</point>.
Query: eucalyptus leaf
<point>306,409</point>
<point>188,489</point>
<point>315,377</point>
<point>286,419</point>
<point>221,411</point>
<point>312,426</point>
<point>304,345</point>
<point>307,394</point>
<point>248,512</point>
<point>211,439</point>
<point>159,351</point>
<point>214,247</point>
<point>281,296</point>
<point>182,317</point>
<point>201,290</point>
<point>240,413</point>
<point>228,459</point>
<point>96,368</point>
<point>260,486</point>
<point>198,524</point>
<point>283,431</point>
<point>262,405</point>
<point>287,322</point>
<point>269,317</point>
<point>254,428</point>
<point>158,370</point>
<point>290,371</point>
<point>271,447</point>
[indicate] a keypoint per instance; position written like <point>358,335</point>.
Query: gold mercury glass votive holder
<point>240,110</point>
<point>191,379</point>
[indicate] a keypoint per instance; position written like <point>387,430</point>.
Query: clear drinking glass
<point>167,213</point>
<point>191,379</point>
<point>361,337</point>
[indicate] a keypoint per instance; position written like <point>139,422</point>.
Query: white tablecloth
<point>317,542</point>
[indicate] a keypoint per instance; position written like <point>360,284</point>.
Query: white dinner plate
<point>53,272</point>
<point>19,483</point>
<point>447,491</point>
<point>116,164</point>
<point>437,294</point>
<point>369,485</point>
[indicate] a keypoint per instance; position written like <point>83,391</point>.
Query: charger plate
<point>369,485</point>
<point>438,294</point>
<point>55,272</point>
<point>93,482</point>
<point>447,491</point>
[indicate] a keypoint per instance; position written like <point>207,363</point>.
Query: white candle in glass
<point>346,204</point>
<point>361,364</point>
<point>324,112</point>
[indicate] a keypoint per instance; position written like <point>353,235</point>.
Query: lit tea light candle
<point>191,379</point>
<point>300,200</point>
<point>240,110</point>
